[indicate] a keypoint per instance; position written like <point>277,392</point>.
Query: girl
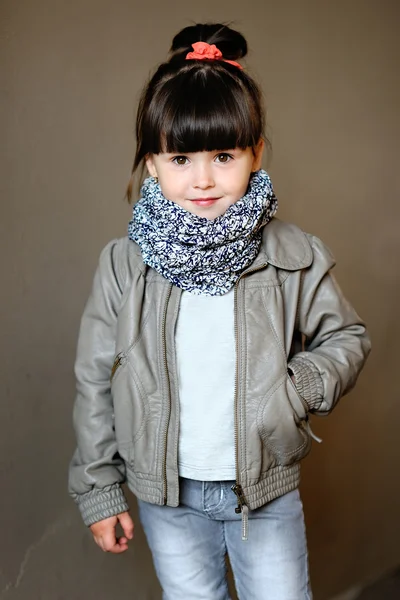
<point>212,332</point>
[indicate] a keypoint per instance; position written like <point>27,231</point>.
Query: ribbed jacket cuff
<point>97,505</point>
<point>308,381</point>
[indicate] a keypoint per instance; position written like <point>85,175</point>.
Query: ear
<point>258,154</point>
<point>150,165</point>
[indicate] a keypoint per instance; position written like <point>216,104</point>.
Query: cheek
<point>239,187</point>
<point>172,190</point>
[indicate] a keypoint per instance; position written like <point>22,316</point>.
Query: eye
<point>223,157</point>
<point>180,160</point>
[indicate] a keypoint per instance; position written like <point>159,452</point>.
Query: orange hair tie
<point>204,51</point>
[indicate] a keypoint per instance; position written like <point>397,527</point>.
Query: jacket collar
<point>284,246</point>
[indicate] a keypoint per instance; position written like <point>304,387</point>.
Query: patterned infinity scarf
<point>197,254</point>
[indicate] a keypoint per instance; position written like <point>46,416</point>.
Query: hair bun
<point>231,43</point>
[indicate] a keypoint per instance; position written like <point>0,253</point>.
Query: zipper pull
<point>307,426</point>
<point>242,508</point>
<point>237,490</point>
<point>117,363</point>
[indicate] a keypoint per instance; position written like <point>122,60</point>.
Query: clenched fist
<point>104,533</point>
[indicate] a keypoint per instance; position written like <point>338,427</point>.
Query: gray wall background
<point>71,74</point>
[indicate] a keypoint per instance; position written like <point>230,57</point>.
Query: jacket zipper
<point>118,362</point>
<point>164,340</point>
<point>237,489</point>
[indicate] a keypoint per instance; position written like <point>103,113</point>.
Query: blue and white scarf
<point>197,254</point>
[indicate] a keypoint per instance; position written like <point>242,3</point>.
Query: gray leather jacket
<point>290,317</point>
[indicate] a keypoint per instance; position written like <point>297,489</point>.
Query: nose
<point>203,176</point>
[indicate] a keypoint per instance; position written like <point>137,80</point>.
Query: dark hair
<point>196,105</point>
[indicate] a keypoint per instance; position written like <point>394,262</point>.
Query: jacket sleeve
<point>336,342</point>
<point>96,470</point>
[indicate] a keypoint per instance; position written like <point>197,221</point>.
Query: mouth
<point>204,201</point>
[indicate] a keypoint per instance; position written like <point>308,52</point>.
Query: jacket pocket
<point>130,407</point>
<point>282,418</point>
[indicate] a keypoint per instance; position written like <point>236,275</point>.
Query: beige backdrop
<point>71,75</point>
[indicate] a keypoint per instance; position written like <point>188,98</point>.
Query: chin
<point>208,214</point>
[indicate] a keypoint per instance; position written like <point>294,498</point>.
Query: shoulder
<point>121,258</point>
<point>288,247</point>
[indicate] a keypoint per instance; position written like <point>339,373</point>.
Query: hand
<point>104,533</point>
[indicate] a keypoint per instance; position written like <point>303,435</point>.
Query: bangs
<point>203,110</point>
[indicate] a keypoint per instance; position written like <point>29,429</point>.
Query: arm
<point>96,469</point>
<point>336,342</point>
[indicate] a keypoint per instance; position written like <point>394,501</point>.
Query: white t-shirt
<point>205,345</point>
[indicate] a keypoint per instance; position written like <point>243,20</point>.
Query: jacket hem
<point>276,482</point>
<point>145,487</point>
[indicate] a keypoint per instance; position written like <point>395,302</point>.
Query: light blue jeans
<point>189,544</point>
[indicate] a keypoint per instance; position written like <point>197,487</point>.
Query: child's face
<point>205,183</point>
